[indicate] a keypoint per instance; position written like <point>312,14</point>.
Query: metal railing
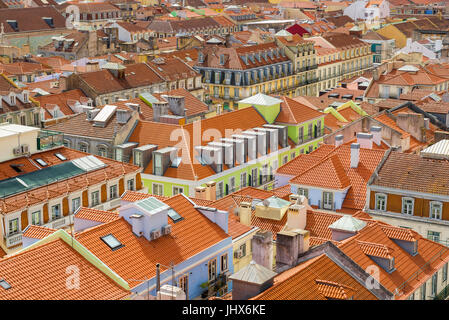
<point>422,269</point>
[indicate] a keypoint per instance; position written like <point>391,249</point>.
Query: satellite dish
<point>266,202</point>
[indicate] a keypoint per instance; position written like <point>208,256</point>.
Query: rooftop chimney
<point>289,245</point>
<point>176,105</point>
<point>427,123</point>
<point>159,109</point>
<point>200,193</point>
<point>137,224</point>
<point>262,248</point>
<point>245,213</point>
<point>365,140</point>
<point>211,191</point>
<point>355,155</point>
<point>296,217</point>
<point>377,134</point>
<point>338,140</point>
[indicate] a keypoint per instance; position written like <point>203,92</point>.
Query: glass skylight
<point>112,242</point>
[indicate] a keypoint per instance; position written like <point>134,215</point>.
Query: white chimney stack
<point>365,140</point>
<point>137,224</point>
<point>377,134</point>
<point>355,155</point>
<point>338,140</point>
<point>427,123</point>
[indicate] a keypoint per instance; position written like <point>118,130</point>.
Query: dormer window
<point>407,205</point>
<point>436,209</point>
<point>381,202</point>
<point>13,24</point>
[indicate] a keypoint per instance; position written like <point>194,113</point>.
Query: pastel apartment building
<point>43,183</point>
<point>151,243</point>
<point>409,190</point>
<point>230,74</point>
<point>227,152</point>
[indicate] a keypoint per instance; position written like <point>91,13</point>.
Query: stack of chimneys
<point>160,108</point>
<point>355,155</point>
<point>206,193</point>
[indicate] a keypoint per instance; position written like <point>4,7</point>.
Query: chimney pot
<point>365,140</point>
<point>377,134</point>
<point>338,140</point>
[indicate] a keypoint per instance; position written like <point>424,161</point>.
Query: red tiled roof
<point>294,112</point>
<point>138,257</point>
<point>96,215</point>
<point>40,273</point>
<point>37,232</point>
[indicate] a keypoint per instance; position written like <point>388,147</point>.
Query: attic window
<point>5,285</point>
<point>41,162</point>
<point>112,242</point>
<point>49,21</point>
<point>60,156</point>
<point>17,167</point>
<point>176,217</point>
<point>13,24</point>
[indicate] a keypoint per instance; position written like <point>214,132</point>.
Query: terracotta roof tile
<point>37,232</point>
<point>138,257</point>
<point>31,281</point>
<point>294,112</point>
<point>96,215</point>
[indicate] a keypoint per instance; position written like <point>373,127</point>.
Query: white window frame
<point>245,179</point>
<point>432,205</point>
<point>10,232</point>
<point>224,257</point>
<point>378,195</point>
<point>128,184</point>
<point>95,203</point>
<point>110,192</point>
<point>60,211</point>
<point>73,206</point>
<point>179,188</point>
<point>33,214</point>
<point>404,200</point>
<point>157,185</point>
<point>212,274</point>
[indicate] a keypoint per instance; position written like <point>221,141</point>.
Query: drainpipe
<point>158,278</point>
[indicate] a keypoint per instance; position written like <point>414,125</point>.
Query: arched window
<point>83,146</point>
<point>102,150</point>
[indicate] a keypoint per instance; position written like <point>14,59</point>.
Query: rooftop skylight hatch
<point>112,242</point>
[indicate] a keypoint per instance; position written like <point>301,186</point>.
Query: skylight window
<point>176,217</point>
<point>41,162</point>
<point>17,167</point>
<point>112,242</point>
<point>5,285</point>
<point>60,156</point>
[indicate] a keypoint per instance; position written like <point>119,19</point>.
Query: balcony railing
<point>59,223</point>
<point>13,240</point>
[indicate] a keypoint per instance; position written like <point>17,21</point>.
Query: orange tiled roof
<point>138,257</point>
<point>96,215</point>
<point>133,196</point>
<point>301,283</point>
<point>334,290</point>
<point>114,169</point>
<point>375,250</point>
<point>40,273</point>
<point>37,232</point>
<point>329,172</point>
<point>294,112</point>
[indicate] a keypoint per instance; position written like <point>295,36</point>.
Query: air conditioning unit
<point>17,151</point>
<point>238,254</point>
<point>166,229</point>
<point>155,234</point>
<point>25,148</point>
